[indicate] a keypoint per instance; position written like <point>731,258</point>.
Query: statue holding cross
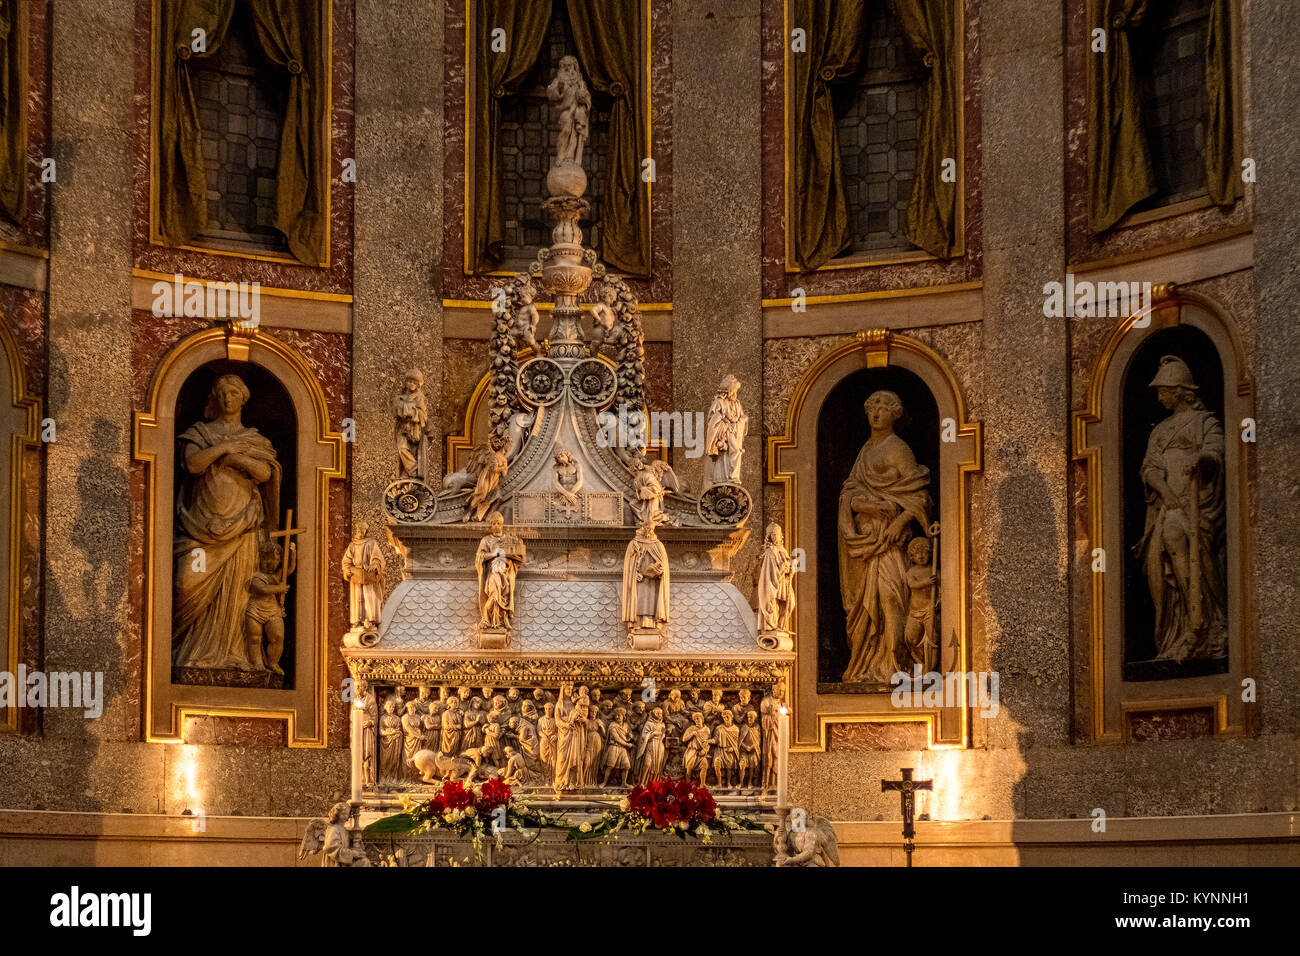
<point>907,788</point>
<point>264,614</point>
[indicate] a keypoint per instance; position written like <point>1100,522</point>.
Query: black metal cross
<point>907,788</point>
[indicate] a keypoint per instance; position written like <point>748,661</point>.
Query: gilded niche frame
<point>20,422</point>
<point>792,463</point>
<point>321,456</point>
<point>1097,439</point>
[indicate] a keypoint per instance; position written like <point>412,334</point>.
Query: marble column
<point>397,309</point>
<point>1270,141</point>
<point>1022,603</point>
<point>87,624</point>
<point>717,254</point>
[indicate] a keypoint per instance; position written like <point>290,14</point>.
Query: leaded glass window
<point>241,103</point>
<point>878,122</point>
<point>1170,57</point>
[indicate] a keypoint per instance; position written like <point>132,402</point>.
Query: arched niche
<point>1128,675</point>
<point>19,420</point>
<point>825,429</point>
<point>310,453</point>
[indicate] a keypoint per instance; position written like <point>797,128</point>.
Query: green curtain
<point>610,35</point>
<point>290,35</point>
<point>495,76</point>
<point>835,33</point>
<point>930,26</point>
<point>13,109</point>
<point>1222,174</point>
<point>1119,156</point>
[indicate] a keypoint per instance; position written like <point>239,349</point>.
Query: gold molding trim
<point>468,261</point>
<point>149,428</point>
<point>902,256</point>
<point>947,289</point>
<point>20,442</point>
<point>275,291</point>
<point>878,348</point>
<point>327,134</point>
<point>1166,311</point>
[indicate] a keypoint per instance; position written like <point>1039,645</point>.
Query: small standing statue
<point>410,421</point>
<point>363,569</point>
<point>573,101</point>
<point>568,480</point>
<point>775,592</point>
<point>497,561</point>
<point>645,588</point>
<point>725,433</point>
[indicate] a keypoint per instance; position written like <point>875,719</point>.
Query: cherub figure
<point>603,319</point>
<point>921,578</point>
<point>524,318</point>
<point>264,613</point>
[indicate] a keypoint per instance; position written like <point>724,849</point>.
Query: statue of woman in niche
<point>1182,546</point>
<point>227,506</point>
<point>884,494</point>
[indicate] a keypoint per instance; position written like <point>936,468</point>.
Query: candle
<point>358,710</point>
<point>782,757</point>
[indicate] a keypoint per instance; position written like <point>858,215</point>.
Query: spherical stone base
<point>566,179</point>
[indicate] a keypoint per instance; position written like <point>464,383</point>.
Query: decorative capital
<point>875,347</point>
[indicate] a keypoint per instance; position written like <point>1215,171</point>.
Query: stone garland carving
<point>231,577</point>
<point>410,426</point>
<point>363,570</point>
<point>1182,548</point>
<point>885,496</point>
<point>461,670</point>
<point>513,326</point>
<point>579,738</point>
